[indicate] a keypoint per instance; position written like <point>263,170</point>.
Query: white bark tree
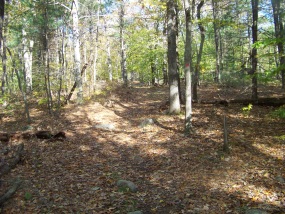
<point>76,47</point>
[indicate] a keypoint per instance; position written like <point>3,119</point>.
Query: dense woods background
<point>46,44</point>
<point>96,106</point>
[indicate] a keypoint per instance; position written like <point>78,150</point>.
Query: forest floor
<point>173,173</point>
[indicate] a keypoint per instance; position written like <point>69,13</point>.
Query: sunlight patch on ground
<point>84,148</point>
<point>274,152</point>
<point>158,151</point>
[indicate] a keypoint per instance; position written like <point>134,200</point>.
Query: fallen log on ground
<point>6,137</point>
<point>271,101</point>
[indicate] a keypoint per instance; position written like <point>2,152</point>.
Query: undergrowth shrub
<point>279,113</point>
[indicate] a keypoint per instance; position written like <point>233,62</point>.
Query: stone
<point>127,184</point>
<point>108,127</point>
<point>146,122</point>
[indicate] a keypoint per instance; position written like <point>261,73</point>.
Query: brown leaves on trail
<point>173,174</point>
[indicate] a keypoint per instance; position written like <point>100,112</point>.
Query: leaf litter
<point>173,173</point>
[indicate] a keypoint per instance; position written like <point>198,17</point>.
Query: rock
<point>108,127</point>
<point>146,122</point>
<point>28,128</point>
<point>127,184</point>
<point>136,212</point>
<point>255,211</point>
<point>280,179</point>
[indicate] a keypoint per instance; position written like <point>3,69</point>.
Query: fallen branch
<point>271,101</point>
<point>9,193</point>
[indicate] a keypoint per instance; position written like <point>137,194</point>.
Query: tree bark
<point>75,85</point>
<point>217,41</point>
<point>200,52</point>
<point>174,106</point>
<point>76,46</point>
<point>254,61</point>
<point>122,44</point>
<point>280,36</point>
<point>187,68</point>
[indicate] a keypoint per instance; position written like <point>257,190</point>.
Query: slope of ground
<point>174,173</point>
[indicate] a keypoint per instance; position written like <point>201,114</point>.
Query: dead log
<point>10,192</point>
<point>6,137</point>
<point>7,167</point>
<point>266,101</point>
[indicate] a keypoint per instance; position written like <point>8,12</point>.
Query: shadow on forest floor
<point>174,173</point>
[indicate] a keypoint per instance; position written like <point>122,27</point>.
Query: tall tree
<point>172,31</point>
<point>76,46</point>
<point>122,43</point>
<point>200,51</point>
<point>254,60</point>
<point>188,65</point>
<point>217,40</point>
<point>280,36</point>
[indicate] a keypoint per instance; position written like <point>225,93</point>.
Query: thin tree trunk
<point>217,40</point>
<point>96,46</point>
<point>28,58</point>
<point>200,52</point>
<point>254,61</point>
<point>4,53</point>
<point>122,43</point>
<point>27,112</point>
<point>187,68</point>
<point>174,106</point>
<point>280,36</point>
<point>109,60</point>
<point>76,46</point>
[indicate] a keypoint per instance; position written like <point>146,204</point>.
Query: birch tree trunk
<point>27,60</point>
<point>96,46</point>
<point>109,60</point>
<point>122,44</point>
<point>254,61</point>
<point>172,29</point>
<point>76,47</point>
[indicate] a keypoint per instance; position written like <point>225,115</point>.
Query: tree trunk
<point>174,106</point>
<point>122,43</point>
<point>187,68</point>
<point>4,53</point>
<point>217,41</point>
<point>279,35</point>
<point>27,112</point>
<point>200,52</point>
<point>254,61</point>
<point>77,60</point>
<point>27,58</point>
